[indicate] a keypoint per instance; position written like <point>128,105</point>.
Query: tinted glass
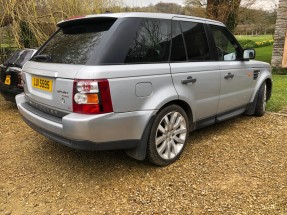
<point>13,58</point>
<point>178,52</point>
<point>24,57</point>
<point>74,44</point>
<point>195,41</point>
<point>226,46</point>
<point>151,42</point>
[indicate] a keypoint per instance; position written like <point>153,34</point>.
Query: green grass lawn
<point>258,38</point>
<point>262,53</point>
<point>279,94</point>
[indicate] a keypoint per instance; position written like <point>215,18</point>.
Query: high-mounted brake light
<point>92,97</point>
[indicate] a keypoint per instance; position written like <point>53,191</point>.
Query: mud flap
<point>250,110</point>
<point>139,153</point>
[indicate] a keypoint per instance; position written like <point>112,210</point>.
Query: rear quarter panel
<point>138,87</point>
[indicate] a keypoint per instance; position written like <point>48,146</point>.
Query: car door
<point>236,74</point>
<point>196,77</point>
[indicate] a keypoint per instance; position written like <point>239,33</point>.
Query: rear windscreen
<point>73,44</point>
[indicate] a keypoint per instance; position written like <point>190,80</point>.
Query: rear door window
<point>151,43</point>
<point>178,51</point>
<point>74,44</point>
<point>195,41</point>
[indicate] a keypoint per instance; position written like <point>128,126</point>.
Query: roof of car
<point>145,15</point>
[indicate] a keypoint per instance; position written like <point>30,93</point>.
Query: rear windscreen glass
<point>73,44</point>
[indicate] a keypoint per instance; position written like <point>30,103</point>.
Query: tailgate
<point>50,84</point>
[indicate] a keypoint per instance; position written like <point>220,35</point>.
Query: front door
<point>236,76</point>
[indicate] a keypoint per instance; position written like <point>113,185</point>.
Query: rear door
<point>236,75</point>
<point>196,75</point>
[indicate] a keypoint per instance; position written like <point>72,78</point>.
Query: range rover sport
<point>139,82</point>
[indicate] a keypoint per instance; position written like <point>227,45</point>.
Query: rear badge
<point>63,101</point>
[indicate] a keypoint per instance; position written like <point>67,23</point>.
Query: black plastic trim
<point>42,114</point>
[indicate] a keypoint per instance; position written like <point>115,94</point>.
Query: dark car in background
<point>11,73</point>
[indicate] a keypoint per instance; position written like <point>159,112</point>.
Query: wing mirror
<point>249,54</point>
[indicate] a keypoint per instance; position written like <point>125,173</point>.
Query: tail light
<point>20,80</point>
<point>92,97</point>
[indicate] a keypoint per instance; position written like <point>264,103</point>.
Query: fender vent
<point>256,74</point>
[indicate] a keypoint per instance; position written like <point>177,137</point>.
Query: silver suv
<point>139,82</point>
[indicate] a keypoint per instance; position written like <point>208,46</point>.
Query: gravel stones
<point>235,167</point>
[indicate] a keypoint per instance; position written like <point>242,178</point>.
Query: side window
<point>178,52</point>
<point>195,41</point>
<point>151,43</point>
<point>227,48</point>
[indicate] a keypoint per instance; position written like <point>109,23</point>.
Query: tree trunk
<point>225,11</point>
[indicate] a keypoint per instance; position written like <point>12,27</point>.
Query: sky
<point>263,4</point>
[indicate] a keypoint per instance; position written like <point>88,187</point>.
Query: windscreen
<point>74,44</point>
<point>11,60</point>
<point>23,58</point>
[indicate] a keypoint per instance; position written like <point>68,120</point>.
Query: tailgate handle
<point>188,80</point>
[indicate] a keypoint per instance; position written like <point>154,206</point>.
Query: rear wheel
<point>261,101</point>
<point>168,136</point>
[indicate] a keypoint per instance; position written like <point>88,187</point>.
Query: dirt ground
<point>235,167</point>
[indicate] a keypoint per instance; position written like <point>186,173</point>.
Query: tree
<point>31,22</point>
<point>226,11</point>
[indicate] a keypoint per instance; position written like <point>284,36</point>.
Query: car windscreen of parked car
<point>73,44</point>
<point>13,58</point>
<point>24,57</point>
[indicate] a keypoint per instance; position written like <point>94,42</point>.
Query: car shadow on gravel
<point>110,160</point>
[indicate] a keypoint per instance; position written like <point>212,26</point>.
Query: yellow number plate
<point>42,83</point>
<point>8,80</point>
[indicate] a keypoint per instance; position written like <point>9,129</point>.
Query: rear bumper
<point>9,93</point>
<point>89,132</point>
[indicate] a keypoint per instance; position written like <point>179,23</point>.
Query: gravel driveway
<point>235,167</point>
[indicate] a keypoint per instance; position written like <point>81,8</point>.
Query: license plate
<point>8,80</point>
<point>42,83</point>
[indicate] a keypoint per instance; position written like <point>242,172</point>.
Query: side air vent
<point>256,74</point>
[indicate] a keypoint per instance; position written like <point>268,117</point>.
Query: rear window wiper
<point>42,57</point>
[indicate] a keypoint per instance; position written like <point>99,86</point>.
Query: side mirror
<point>249,54</point>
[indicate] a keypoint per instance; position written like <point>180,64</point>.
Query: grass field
<point>262,53</point>
<point>279,94</point>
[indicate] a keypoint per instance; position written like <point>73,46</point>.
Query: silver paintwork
<point>139,91</point>
<point>148,15</point>
<point>94,128</point>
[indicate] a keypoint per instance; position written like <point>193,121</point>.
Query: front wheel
<point>261,101</point>
<point>168,136</point>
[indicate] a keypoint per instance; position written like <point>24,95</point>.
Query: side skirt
<point>219,117</point>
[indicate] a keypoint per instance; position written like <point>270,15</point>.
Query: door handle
<point>229,76</point>
<point>188,80</point>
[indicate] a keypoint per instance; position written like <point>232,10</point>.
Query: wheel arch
<point>185,106</point>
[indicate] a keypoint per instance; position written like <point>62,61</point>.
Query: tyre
<point>168,136</point>
<point>261,101</point>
